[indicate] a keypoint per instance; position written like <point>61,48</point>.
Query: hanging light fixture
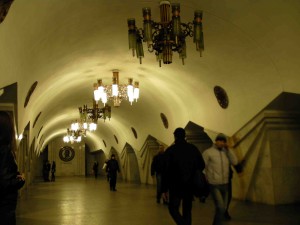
<point>73,136</point>
<point>166,36</point>
<point>89,116</point>
<point>116,92</point>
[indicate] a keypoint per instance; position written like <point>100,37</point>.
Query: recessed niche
<point>36,119</point>
<point>104,143</point>
<point>164,120</point>
<point>116,139</point>
<point>221,96</point>
<point>30,92</point>
<point>134,132</point>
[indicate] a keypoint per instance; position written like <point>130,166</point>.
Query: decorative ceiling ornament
<point>221,96</point>
<point>116,92</point>
<point>166,36</point>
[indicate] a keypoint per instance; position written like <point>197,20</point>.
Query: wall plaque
<point>66,153</point>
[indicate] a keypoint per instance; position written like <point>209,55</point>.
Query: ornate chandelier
<point>166,36</point>
<point>74,136</point>
<point>116,92</point>
<point>90,116</point>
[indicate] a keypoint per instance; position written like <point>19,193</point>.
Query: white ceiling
<point>252,50</point>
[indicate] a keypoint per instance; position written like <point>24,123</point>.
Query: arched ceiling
<point>251,50</point>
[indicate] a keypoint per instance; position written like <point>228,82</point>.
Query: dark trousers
<point>8,218</point>
<point>53,176</point>
<point>158,187</point>
<point>112,181</point>
<point>96,173</point>
<point>174,203</point>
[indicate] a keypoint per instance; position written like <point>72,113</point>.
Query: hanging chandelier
<point>116,92</point>
<point>74,135</point>
<point>89,116</point>
<point>166,36</point>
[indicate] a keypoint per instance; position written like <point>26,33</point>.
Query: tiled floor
<point>86,201</point>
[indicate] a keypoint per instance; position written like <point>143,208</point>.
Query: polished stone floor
<point>86,201</point>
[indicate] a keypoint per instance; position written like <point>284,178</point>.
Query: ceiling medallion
<point>221,96</point>
<point>166,36</point>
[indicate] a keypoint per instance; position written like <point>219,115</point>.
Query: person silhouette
<point>10,179</point>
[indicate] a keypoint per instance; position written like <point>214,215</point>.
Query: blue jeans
<point>219,194</point>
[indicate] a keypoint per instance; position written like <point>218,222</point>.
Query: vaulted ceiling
<point>252,50</point>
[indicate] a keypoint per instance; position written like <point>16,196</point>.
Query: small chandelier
<point>166,36</point>
<point>116,92</point>
<point>90,116</point>
<point>74,136</point>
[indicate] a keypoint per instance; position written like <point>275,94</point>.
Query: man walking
<point>218,159</point>
<point>112,168</point>
<point>156,170</point>
<point>182,160</point>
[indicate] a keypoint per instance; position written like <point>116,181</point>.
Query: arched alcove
<point>196,135</point>
<point>90,158</point>
<point>130,164</point>
<point>148,151</point>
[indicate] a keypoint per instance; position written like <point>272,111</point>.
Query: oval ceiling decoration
<point>221,96</point>
<point>164,120</point>
<point>134,132</point>
<point>36,119</point>
<point>40,131</point>
<point>116,139</point>
<point>29,93</point>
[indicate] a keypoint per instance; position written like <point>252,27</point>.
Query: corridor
<point>86,201</point>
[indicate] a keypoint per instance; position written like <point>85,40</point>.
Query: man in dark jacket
<point>156,169</point>
<point>112,168</point>
<point>182,161</point>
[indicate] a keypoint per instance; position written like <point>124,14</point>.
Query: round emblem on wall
<point>66,153</point>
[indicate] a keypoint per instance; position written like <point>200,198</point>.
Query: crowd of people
<point>176,171</point>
